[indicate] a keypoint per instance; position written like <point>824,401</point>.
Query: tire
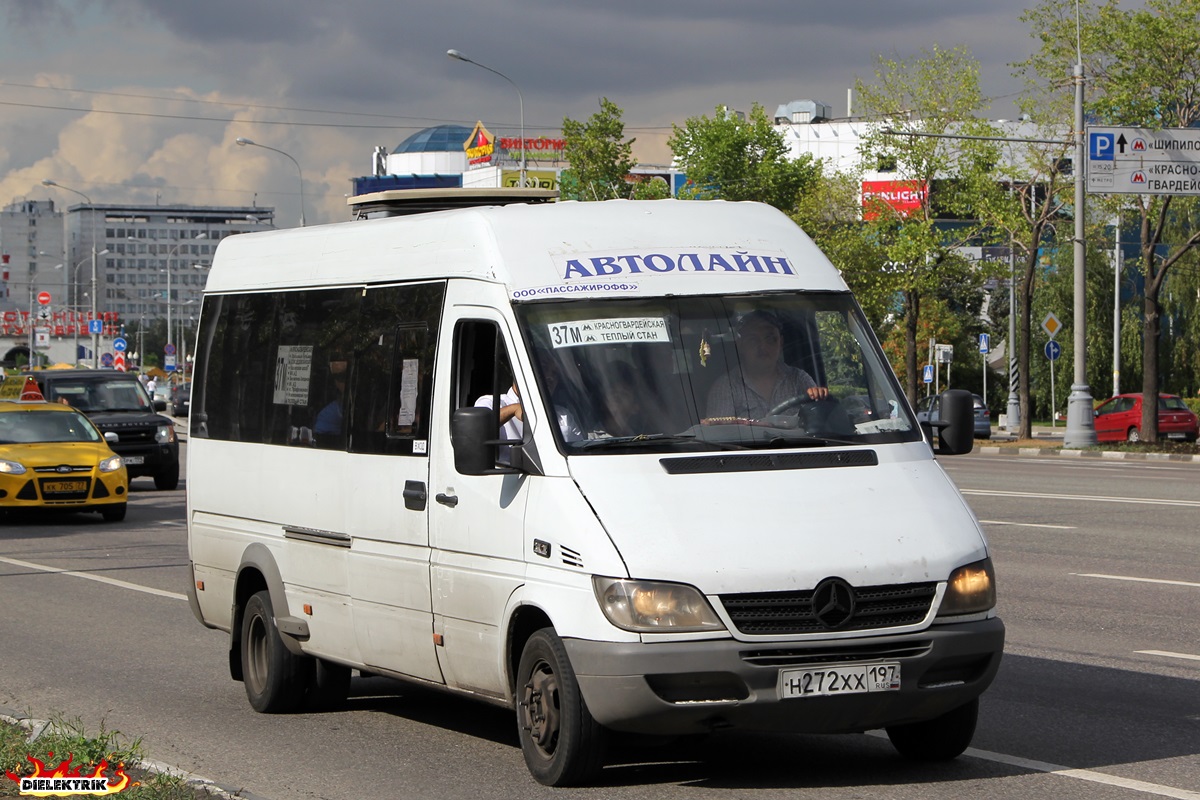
<point>330,686</point>
<point>276,679</point>
<point>168,479</point>
<point>562,744</point>
<point>113,513</point>
<point>938,739</point>
<point>1133,436</point>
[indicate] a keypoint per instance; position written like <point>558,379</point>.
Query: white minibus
<point>625,467</point>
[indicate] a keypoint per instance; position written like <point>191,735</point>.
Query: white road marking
<point>1027,524</point>
<point>1148,501</point>
<point>1168,654</point>
<point>89,576</point>
<point>1134,579</point>
<point>1086,775</point>
<point>1077,774</point>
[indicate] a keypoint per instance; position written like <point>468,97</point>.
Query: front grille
<point>65,468</point>
<point>875,607</point>
<point>132,433</point>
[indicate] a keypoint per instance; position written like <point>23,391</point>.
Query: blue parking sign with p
<point>1102,146</point>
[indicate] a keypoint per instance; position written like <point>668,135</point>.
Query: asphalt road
<point>1098,696</point>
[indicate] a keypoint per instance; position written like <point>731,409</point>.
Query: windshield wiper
<point>804,441</point>
<point>656,439</point>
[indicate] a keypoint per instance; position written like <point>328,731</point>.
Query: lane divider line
<point>89,576</point>
<point>1168,654</point>
<point>1089,497</point>
<point>1133,579</point>
<point>1027,524</point>
<point>1078,774</point>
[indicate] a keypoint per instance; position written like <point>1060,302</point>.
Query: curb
<point>1115,455</point>
<point>37,727</point>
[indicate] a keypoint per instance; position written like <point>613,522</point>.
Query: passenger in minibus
<point>329,419</point>
<point>761,380</point>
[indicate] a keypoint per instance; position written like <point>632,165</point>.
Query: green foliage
<point>933,96</point>
<point>600,157</point>
<point>64,738</point>
<point>730,158</point>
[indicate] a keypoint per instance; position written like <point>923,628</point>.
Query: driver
<point>764,380</point>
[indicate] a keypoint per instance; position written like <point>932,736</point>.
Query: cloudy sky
<point>132,100</point>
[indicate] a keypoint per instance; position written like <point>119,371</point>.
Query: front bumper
<point>701,686</point>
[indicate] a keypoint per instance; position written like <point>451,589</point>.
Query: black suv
<point>116,402</point>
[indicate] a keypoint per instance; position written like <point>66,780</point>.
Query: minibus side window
<point>392,389</point>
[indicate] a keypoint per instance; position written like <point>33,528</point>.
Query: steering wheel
<point>790,403</point>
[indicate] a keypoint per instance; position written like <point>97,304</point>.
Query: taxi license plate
<point>836,679</point>
<point>133,460</point>
<point>62,487</point>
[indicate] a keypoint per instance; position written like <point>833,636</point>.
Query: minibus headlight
<point>11,467</point>
<point>110,464</point>
<point>165,435</point>
<point>970,590</point>
<point>653,607</point>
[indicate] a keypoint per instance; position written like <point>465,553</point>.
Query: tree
<point>1142,71</point>
<point>599,156</point>
<point>937,93</point>
<point>730,157</point>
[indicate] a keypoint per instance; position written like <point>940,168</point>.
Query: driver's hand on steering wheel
<point>818,392</point>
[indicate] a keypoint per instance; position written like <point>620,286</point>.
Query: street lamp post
<point>92,212</point>
<point>1081,418</point>
<point>243,141</point>
<point>457,56</point>
<point>170,255</point>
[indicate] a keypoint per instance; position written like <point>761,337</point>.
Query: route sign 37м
<point>1143,161</point>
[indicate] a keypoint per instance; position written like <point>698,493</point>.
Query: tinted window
<point>331,368</point>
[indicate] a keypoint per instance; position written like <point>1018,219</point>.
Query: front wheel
<point>563,745</point>
<point>276,678</point>
<point>168,479</point>
<point>938,739</point>
<point>113,513</point>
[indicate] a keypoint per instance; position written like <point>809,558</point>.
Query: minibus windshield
<point>714,373</point>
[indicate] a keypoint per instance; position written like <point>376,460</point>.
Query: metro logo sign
<point>902,197</point>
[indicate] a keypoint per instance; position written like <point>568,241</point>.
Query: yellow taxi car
<point>53,457</point>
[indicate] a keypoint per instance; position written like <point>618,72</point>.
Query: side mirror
<point>160,405</point>
<point>470,430</point>
<point>111,436</point>
<point>956,417</point>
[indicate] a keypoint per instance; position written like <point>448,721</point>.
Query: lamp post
<point>243,141</point>
<point>457,56</point>
<point>74,295</point>
<point>1081,418</point>
<point>92,212</point>
<point>170,255</point>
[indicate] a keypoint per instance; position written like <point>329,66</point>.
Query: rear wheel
<point>563,745</point>
<point>168,479</point>
<point>113,513</point>
<point>938,739</point>
<point>330,686</point>
<point>276,679</point>
<point>1133,435</point>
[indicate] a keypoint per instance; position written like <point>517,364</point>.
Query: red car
<point>1119,419</point>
